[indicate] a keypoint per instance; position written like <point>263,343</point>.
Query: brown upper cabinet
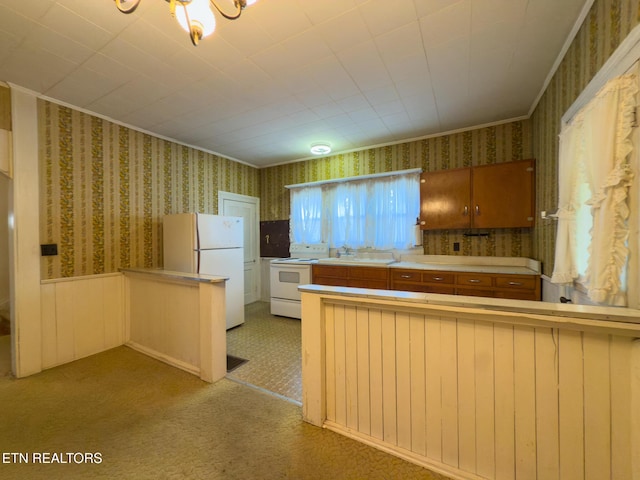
<point>501,195</point>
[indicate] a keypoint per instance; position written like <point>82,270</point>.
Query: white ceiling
<point>288,73</point>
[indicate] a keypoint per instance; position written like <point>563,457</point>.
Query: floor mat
<point>234,362</point>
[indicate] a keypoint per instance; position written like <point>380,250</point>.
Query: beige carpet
<point>5,356</point>
<point>151,421</point>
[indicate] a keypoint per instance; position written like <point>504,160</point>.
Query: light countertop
<point>608,314</point>
<point>450,267</point>
<point>169,274</point>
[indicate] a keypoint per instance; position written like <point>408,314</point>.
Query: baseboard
<point>174,362</point>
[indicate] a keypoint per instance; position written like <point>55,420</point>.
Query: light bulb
<point>200,16</point>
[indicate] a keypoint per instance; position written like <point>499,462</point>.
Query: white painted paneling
<point>164,319</point>
<point>485,398</point>
<point>81,316</point>
<point>179,320</point>
<point>473,397</point>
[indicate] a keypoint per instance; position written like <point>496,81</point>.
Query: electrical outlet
<point>49,249</point>
<point>456,246</point>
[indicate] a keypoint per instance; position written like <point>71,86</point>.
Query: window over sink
<point>374,211</point>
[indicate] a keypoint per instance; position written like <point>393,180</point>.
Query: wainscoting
<point>475,393</point>
<point>81,316</point>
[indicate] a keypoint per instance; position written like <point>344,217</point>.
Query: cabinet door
<point>445,199</point>
<point>503,195</point>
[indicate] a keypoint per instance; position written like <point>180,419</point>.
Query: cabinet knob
<point>466,210</point>
<point>474,280</point>
<point>515,284</point>
<point>423,222</point>
<point>438,279</point>
<point>477,209</point>
<point>405,276</point>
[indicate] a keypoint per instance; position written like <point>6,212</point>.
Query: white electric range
<point>287,273</point>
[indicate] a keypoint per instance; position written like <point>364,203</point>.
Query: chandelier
<point>194,16</point>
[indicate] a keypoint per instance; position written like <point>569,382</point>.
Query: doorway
<point>233,204</point>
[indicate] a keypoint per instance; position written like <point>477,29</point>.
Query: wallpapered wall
<point>496,144</point>
<point>606,26</point>
<point>104,189</point>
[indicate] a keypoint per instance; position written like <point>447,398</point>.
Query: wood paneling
<point>480,398</point>
<point>178,321</point>
<point>81,317</point>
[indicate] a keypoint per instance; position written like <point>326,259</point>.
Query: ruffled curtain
<point>597,146</point>
<point>565,268</point>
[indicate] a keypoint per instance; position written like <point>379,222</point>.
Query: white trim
<point>255,201</point>
<point>406,140</point>
<point>570,38</point>
<point>627,53</point>
<point>24,238</point>
<point>80,277</point>
<point>355,178</point>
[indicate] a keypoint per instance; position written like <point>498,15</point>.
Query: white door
<point>235,205</point>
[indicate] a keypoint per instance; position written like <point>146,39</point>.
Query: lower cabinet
<point>421,281</point>
<point>350,276</point>
<point>517,287</point>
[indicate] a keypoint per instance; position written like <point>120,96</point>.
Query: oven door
<point>285,279</point>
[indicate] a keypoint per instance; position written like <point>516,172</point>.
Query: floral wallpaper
<point>495,144</point>
<point>606,26</point>
<point>104,189</point>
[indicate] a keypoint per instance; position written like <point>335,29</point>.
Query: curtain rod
<point>354,178</point>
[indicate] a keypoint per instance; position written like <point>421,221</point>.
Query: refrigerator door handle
<point>197,229</point>
<point>198,261</point>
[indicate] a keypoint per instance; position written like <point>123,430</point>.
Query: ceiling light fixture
<point>195,16</point>
<point>320,148</point>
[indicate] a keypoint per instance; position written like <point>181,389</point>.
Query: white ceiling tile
<point>75,27</point>
<point>245,34</point>
<point>364,65</point>
<point>382,16</point>
<point>319,12</point>
<point>147,37</point>
<point>428,7</point>
<point>447,24</point>
<point>59,45</point>
<point>344,31</point>
<point>83,87</point>
<point>30,8</point>
<point>109,19</point>
<point>289,72</point>
<point>35,69</point>
<point>281,19</point>
<point>353,103</point>
<point>16,24</point>
<point>305,48</point>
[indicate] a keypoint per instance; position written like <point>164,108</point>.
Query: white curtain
<point>565,268</point>
<point>378,212</point>
<point>595,150</point>
<point>306,215</point>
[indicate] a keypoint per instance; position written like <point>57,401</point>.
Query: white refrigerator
<point>212,245</point>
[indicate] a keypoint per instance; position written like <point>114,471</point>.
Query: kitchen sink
<point>363,259</point>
